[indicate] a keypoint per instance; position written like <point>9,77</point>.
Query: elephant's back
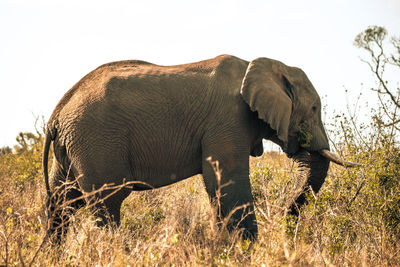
<point>113,78</point>
<point>94,85</point>
<point>147,91</point>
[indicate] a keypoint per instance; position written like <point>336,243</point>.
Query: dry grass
<point>175,225</point>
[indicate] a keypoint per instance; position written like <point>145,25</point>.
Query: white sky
<point>47,46</point>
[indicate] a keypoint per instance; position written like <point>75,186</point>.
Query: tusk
<point>335,158</point>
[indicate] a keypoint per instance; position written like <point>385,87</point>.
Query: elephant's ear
<point>266,90</point>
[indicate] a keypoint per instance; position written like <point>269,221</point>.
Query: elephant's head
<point>287,102</point>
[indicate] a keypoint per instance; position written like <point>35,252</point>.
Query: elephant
<point>156,125</point>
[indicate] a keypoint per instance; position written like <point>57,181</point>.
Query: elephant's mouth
<point>292,149</point>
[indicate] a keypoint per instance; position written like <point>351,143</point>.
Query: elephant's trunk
<point>312,171</point>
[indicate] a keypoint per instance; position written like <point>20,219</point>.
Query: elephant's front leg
<point>229,189</point>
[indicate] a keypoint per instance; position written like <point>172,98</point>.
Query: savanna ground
<point>353,220</point>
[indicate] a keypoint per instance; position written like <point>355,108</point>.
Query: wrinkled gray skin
<point>138,121</point>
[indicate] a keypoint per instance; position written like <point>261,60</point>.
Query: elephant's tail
<point>47,142</point>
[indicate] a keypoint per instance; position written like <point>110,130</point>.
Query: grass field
<point>354,220</point>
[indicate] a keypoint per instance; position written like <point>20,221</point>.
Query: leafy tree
<point>27,141</point>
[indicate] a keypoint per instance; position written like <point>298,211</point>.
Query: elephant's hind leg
<point>65,200</point>
<point>109,210</point>
<point>107,199</point>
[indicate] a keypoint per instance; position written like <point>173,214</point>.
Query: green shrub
<point>23,164</point>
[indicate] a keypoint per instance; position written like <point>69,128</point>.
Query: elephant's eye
<point>314,108</point>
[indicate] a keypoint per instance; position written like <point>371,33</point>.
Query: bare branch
<point>371,40</point>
